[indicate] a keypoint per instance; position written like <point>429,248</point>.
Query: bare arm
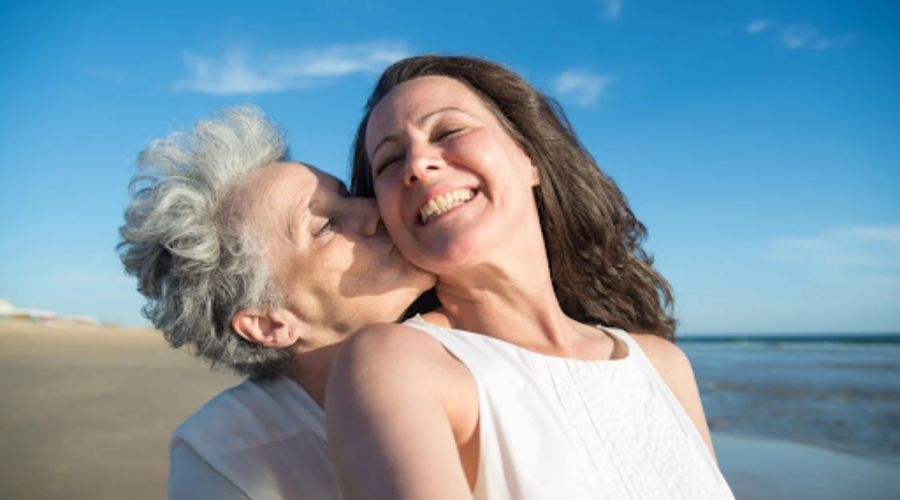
<point>389,431</point>
<point>675,368</point>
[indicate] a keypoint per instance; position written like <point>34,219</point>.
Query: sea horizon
<point>851,337</point>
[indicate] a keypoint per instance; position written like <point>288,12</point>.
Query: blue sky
<point>758,141</point>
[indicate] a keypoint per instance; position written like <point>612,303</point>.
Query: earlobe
<point>535,176</point>
<point>269,328</point>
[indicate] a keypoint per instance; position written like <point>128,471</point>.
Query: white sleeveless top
<point>561,428</point>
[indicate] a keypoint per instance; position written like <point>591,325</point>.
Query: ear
<point>535,176</point>
<point>270,328</point>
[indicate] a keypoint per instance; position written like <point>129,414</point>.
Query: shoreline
<point>892,461</point>
<point>760,468</point>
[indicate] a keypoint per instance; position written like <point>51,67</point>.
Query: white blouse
<point>561,428</point>
<point>255,441</point>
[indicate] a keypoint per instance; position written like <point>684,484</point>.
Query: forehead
<point>282,186</point>
<point>418,97</point>
<point>275,180</point>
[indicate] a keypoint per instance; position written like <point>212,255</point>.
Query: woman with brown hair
<point>480,180</point>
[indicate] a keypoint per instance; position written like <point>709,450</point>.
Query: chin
<point>407,271</point>
<point>422,280</point>
<point>450,258</point>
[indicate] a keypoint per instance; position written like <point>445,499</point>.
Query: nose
<point>422,160</point>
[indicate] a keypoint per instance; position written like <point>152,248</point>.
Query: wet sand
<point>88,411</point>
<point>765,469</point>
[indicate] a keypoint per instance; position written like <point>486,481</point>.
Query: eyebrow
<point>422,119</point>
<point>323,195</point>
<point>333,183</point>
<point>297,215</point>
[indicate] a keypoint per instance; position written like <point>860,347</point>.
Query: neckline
<point>611,332</point>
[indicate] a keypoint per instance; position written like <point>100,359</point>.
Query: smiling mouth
<point>444,203</point>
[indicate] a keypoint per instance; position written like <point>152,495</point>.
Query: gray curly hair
<point>188,243</point>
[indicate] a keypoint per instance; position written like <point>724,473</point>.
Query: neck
<point>513,301</point>
<point>310,370</point>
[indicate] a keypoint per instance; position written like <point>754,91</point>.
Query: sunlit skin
<point>428,146</point>
<point>336,265</point>
<point>429,136</point>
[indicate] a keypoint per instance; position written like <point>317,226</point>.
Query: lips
<point>444,203</point>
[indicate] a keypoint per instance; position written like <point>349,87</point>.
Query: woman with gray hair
<point>265,266</point>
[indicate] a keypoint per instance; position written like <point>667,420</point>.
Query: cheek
<point>489,153</point>
<point>336,258</point>
<point>390,206</point>
<point>471,148</point>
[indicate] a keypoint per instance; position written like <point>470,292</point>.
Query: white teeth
<point>444,202</point>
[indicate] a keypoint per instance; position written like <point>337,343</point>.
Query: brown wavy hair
<point>600,271</point>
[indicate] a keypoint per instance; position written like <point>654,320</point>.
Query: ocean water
<point>832,391</point>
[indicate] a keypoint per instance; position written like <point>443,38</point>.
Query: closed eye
<point>447,133</point>
<point>326,229</point>
<point>387,163</point>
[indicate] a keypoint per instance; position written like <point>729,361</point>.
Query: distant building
<point>9,311</point>
<point>78,319</point>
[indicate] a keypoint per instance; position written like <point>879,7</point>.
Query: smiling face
<point>335,264</point>
<point>452,185</point>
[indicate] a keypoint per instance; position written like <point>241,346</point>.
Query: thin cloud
<point>757,26</point>
<point>872,247</point>
<point>582,87</point>
<point>612,9</point>
<point>887,234</point>
<point>804,36</point>
<point>240,72</point>
<point>797,36</point>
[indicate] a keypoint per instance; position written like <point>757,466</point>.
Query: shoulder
<point>390,344</point>
<point>222,408</point>
<point>388,337</point>
<point>391,354</point>
<point>255,412</point>
<point>192,476</point>
<point>388,366</point>
<point>394,391</point>
<point>255,429</point>
<point>675,369</point>
<point>668,360</point>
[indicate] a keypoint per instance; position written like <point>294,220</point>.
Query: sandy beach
<point>88,411</point>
